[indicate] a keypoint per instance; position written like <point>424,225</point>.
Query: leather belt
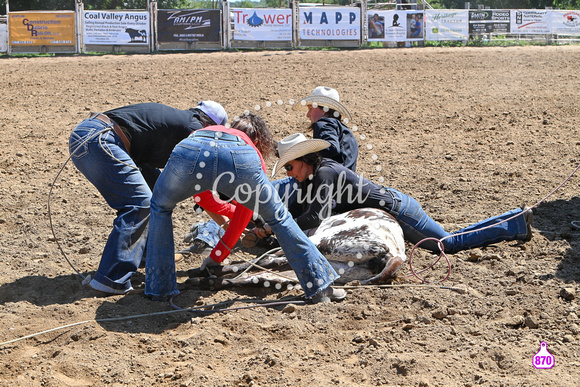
<point>217,135</point>
<point>116,128</point>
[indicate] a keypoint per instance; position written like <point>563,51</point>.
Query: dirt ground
<point>469,132</point>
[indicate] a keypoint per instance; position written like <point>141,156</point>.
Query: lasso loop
<point>442,254</point>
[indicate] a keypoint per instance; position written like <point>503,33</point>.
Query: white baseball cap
<point>214,110</point>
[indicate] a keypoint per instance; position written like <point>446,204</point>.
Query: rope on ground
<point>197,309</point>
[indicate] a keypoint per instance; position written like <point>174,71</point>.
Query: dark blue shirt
<point>343,146</point>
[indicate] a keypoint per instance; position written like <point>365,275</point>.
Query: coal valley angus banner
<point>188,25</point>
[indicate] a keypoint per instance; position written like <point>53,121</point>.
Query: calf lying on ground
<point>364,245</point>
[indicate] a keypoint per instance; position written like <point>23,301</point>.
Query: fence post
<point>364,27</point>
<point>295,23</point>
<point>152,8</point>
<point>79,8</point>
<point>227,25</point>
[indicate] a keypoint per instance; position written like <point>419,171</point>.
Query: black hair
<point>313,159</point>
<point>331,113</point>
<point>204,118</point>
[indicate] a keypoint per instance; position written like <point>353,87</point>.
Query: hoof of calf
<point>388,273</point>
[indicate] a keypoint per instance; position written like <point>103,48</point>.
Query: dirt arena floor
<point>469,132</point>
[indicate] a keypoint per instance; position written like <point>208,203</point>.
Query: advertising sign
<point>262,24</point>
<point>530,21</point>
<point>42,28</point>
<point>329,23</point>
<point>450,24</point>
<point>415,25</point>
<point>188,25</point>
<point>487,21</point>
<point>387,26</point>
<point>566,22</point>
<point>108,27</point>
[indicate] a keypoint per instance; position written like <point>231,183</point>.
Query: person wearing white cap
<point>327,117</point>
<point>228,161</point>
<point>326,114</point>
<point>334,189</point>
<point>121,152</point>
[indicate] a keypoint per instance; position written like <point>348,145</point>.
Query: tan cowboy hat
<point>324,96</point>
<point>295,146</point>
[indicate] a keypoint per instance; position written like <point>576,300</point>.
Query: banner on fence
<point>106,27</point>
<point>396,26</point>
<point>415,25</point>
<point>329,23</point>
<point>42,28</point>
<point>3,37</point>
<point>258,24</point>
<point>188,25</point>
<point>489,21</point>
<point>566,22</point>
<point>530,21</point>
<point>447,24</point>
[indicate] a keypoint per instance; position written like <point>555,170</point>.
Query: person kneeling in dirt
<point>229,161</point>
<point>119,152</point>
<point>329,188</point>
<point>328,118</point>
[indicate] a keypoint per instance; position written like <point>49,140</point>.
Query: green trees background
<point>30,5</point>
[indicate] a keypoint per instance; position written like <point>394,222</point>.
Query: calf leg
<point>262,280</point>
<point>388,273</point>
<point>271,261</point>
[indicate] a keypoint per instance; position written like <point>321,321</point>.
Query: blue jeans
<point>98,153</point>
<point>209,231</point>
<point>233,168</point>
<point>417,225</point>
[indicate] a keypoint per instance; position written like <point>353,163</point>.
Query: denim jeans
<point>98,153</point>
<point>417,225</point>
<point>232,168</point>
<point>209,231</point>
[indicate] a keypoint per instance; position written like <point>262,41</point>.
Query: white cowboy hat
<point>324,96</point>
<point>295,146</point>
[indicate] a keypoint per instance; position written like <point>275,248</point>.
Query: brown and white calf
<point>364,245</point>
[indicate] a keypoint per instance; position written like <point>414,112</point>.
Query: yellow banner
<point>41,28</point>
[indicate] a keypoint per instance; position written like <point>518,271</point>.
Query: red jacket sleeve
<point>210,202</point>
<point>238,223</point>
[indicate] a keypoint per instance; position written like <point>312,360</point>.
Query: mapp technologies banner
<point>329,23</point>
<point>106,27</point>
<point>42,28</point>
<point>262,24</point>
<point>188,25</point>
<point>447,24</point>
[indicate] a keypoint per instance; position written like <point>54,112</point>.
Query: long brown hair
<point>257,130</point>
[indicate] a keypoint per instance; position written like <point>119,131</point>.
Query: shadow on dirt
<point>554,220</point>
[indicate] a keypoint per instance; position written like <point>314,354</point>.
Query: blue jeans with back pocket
<point>232,168</point>
<point>99,154</point>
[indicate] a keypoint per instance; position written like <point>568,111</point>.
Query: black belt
<point>116,128</point>
<point>217,135</point>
